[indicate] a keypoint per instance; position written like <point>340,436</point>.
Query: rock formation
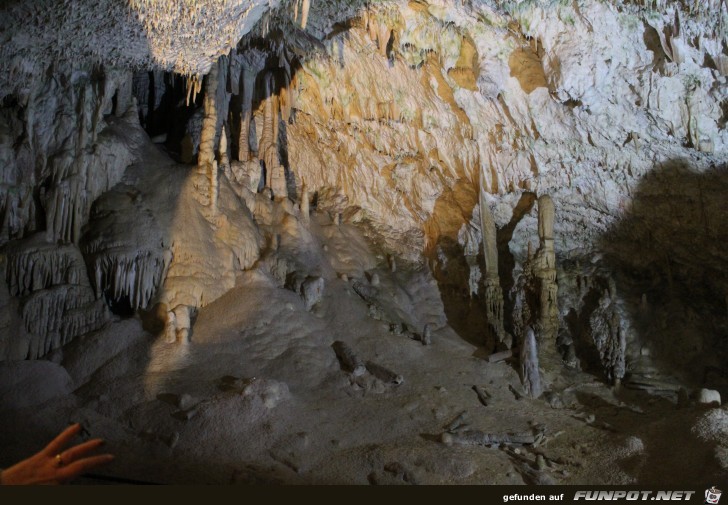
<point>530,373</point>
<point>544,270</point>
<point>166,168</point>
<point>493,291</point>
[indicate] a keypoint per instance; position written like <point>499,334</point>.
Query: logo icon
<point>712,495</point>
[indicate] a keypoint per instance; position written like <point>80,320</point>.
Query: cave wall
<point>393,115</point>
<point>414,106</point>
<point>65,142</point>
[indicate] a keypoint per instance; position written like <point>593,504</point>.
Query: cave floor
<point>258,395</point>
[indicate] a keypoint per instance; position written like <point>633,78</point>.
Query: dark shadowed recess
<point>670,261</point>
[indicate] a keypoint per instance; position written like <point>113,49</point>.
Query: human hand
<point>53,465</point>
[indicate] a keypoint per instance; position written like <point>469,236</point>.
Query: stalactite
<point>131,275</point>
<point>253,62</point>
<point>194,86</point>
<point>276,109</point>
<point>67,205</point>
<point>304,13</point>
<point>493,291</point>
<point>53,316</point>
<point>245,114</point>
<point>35,267</point>
<point>285,97</point>
<point>244,138</point>
<point>16,209</point>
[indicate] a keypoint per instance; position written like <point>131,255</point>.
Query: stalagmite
<point>312,290</point>
<point>275,177</point>
<point>609,335</point>
<point>244,138</point>
<point>426,338</point>
<point>493,291</point>
<point>530,375</point>
<point>544,269</point>
<point>265,151</point>
<point>206,159</point>
<point>170,328</point>
<point>182,323</point>
<point>305,210</point>
<point>214,185</point>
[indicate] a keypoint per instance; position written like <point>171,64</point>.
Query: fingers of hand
<point>80,466</point>
<point>62,440</point>
<point>81,450</point>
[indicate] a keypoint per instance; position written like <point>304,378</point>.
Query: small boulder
<point>707,397</point>
<point>312,290</point>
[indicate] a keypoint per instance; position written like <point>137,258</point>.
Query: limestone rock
<point>312,291</point>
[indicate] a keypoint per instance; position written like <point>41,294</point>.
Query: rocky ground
<point>260,395</point>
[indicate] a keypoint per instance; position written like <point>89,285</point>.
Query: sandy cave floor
<point>259,396</point>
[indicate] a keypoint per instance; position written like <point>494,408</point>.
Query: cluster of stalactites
<point>35,268</point>
<point>135,275</point>
<point>247,73</point>
<point>194,86</point>
<point>304,6</point>
<point>54,316</point>
<point>57,303</point>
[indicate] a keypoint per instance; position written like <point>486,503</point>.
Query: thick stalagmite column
<point>209,122</point>
<point>206,162</point>
<point>493,291</point>
<point>545,271</point>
